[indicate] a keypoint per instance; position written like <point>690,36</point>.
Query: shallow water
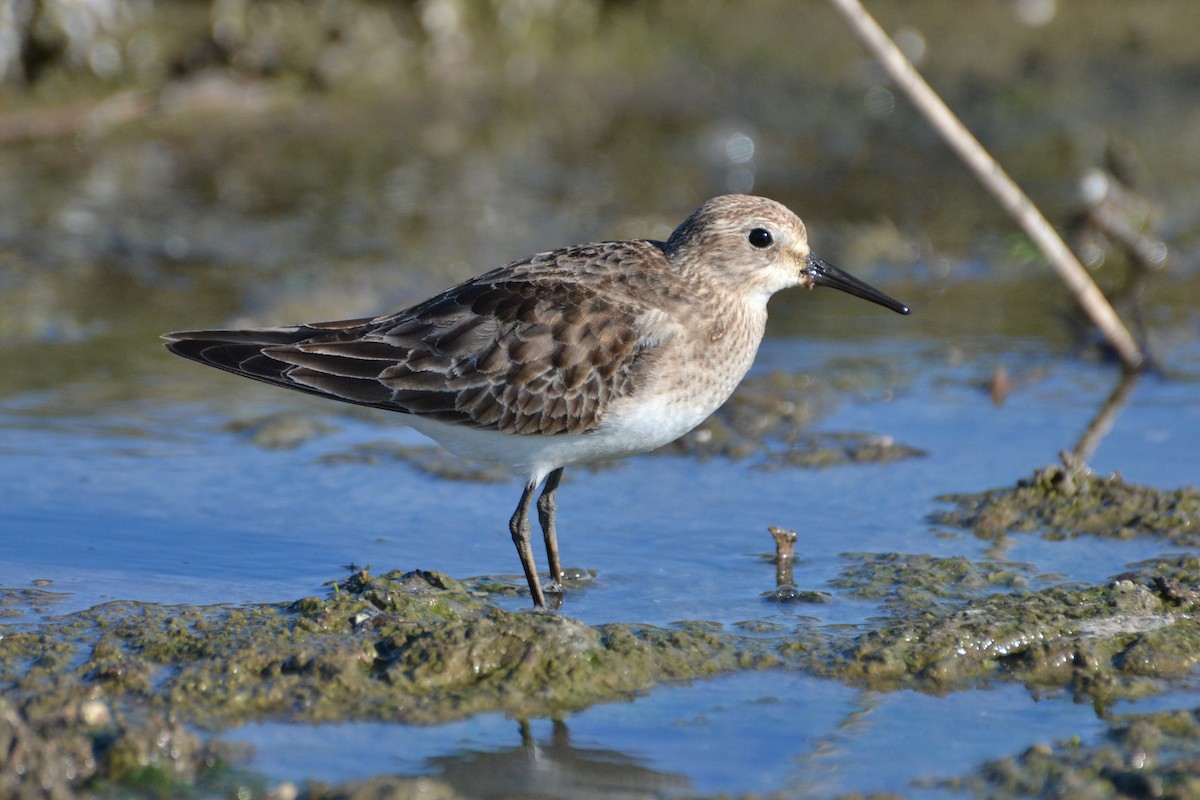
<point>758,732</point>
<point>161,502</point>
<point>128,474</point>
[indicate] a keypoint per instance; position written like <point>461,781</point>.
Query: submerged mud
<point>769,418</point>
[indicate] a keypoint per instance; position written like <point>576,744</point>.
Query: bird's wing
<point>541,346</point>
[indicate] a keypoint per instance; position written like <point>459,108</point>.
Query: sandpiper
<point>582,354</point>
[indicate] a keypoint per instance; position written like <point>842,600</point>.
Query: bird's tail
<point>249,353</point>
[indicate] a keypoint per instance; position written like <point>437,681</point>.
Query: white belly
<point>635,428</point>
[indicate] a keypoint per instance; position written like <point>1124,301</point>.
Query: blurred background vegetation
<point>173,164</point>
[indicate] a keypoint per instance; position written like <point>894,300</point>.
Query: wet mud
<point>1141,756</point>
<point>1062,502</point>
<point>111,696</point>
<point>133,696</point>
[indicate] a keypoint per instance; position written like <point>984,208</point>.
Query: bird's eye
<point>760,238</point>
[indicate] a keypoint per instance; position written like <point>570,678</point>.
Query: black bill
<point>822,273</point>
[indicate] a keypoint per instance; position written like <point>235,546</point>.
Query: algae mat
<point>130,697</point>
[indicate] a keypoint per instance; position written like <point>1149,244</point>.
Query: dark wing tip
<point>273,355</point>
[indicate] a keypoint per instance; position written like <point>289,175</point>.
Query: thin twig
<point>995,179</point>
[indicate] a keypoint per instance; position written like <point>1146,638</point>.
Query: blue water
<point>756,732</point>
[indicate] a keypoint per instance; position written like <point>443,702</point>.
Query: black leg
<point>519,527</point>
<point>547,510</point>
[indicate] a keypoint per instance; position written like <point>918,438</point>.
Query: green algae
<point>117,697</point>
<point>848,447</point>
<point>1120,640</point>
<point>112,695</point>
<point>419,648</point>
<point>125,698</point>
<point>1061,502</point>
<point>1141,755</point>
<point>52,754</point>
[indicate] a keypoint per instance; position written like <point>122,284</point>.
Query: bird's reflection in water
<point>552,767</point>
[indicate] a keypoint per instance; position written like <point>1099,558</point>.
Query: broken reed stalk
<point>994,179</point>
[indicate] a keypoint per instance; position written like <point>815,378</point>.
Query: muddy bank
<point>954,621</point>
<point>1060,502</point>
<point>1121,640</point>
<point>109,696</point>
<point>410,648</point>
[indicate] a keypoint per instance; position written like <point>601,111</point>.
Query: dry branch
<point>995,179</point>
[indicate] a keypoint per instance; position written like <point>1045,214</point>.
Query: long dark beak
<point>822,273</point>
